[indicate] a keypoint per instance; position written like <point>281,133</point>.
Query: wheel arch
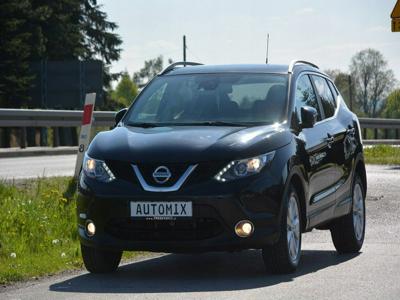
<point>295,179</point>
<point>360,170</point>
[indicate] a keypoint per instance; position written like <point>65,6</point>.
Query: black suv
<point>225,157</point>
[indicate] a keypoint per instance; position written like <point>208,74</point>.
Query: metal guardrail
<point>380,123</point>
<point>51,118</point>
<point>70,118</point>
<point>24,118</point>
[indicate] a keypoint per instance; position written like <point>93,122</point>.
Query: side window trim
<point>333,86</point>
<point>321,109</point>
<point>334,92</point>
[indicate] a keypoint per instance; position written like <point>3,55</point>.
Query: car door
<point>344,146</point>
<point>317,154</point>
<point>336,129</point>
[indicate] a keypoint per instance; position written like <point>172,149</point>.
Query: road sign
<point>395,15</point>
<point>396,25</point>
<point>84,136</point>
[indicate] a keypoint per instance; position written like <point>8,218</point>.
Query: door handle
<point>350,131</point>
<point>329,140</point>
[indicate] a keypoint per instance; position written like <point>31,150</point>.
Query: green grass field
<point>38,234</point>
<point>382,154</point>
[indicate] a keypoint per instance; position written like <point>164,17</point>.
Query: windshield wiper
<point>218,123</point>
<point>205,123</point>
<point>143,125</point>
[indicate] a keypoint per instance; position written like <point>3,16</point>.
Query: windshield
<point>211,99</point>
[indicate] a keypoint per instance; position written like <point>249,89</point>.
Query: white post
<point>84,136</point>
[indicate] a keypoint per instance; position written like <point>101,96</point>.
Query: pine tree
<point>33,30</point>
<point>15,51</point>
<point>99,39</point>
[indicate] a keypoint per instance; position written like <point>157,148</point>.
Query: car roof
<point>237,68</point>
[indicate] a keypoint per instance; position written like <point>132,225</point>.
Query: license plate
<point>161,209</point>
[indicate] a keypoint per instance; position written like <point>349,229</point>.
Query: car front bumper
<point>211,228</point>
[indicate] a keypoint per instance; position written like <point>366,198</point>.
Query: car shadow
<point>196,273</point>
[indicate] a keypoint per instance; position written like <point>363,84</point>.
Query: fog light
<point>90,228</point>
<point>244,228</point>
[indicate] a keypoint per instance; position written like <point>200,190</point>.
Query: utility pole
<point>350,93</point>
<point>266,59</point>
<point>184,48</point>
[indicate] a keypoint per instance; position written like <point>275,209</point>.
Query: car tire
<point>284,256</point>
<point>100,261</point>
<point>348,231</point>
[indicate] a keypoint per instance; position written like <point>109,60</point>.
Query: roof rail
<point>297,61</point>
<point>179,63</point>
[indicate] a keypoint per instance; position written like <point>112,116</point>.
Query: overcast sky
<point>327,33</point>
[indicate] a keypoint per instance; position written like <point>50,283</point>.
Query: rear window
<point>326,96</point>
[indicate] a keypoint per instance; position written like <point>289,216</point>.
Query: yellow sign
<point>396,25</point>
<point>396,10</point>
<point>395,15</point>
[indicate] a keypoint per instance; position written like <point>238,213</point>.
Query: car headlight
<point>97,169</point>
<point>244,167</point>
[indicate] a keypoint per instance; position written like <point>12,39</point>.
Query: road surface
<point>322,274</point>
<point>37,166</point>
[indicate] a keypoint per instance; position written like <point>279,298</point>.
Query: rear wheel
<point>100,261</point>
<point>348,231</point>
<point>284,256</point>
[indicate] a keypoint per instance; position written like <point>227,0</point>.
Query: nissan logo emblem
<point>161,174</point>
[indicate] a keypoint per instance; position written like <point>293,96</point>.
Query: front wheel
<point>348,231</point>
<point>100,261</point>
<point>284,256</point>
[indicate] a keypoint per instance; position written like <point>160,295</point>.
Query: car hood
<point>193,144</point>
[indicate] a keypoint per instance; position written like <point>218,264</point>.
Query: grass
<point>382,154</point>
<point>38,233</point>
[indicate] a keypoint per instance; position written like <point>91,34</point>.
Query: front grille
<point>122,169</point>
<point>164,230</point>
<point>176,170</point>
<point>203,172</point>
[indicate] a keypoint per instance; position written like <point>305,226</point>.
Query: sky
<point>327,33</point>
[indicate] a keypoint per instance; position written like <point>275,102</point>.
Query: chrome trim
<point>299,61</point>
<point>179,63</point>
<point>151,188</point>
<point>329,191</point>
<point>164,176</point>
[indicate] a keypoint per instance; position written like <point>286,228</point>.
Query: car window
<point>150,107</point>
<point>305,96</point>
<point>226,97</point>
<point>333,89</point>
<point>325,94</point>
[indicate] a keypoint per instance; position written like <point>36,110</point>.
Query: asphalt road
<point>322,274</point>
<point>37,166</point>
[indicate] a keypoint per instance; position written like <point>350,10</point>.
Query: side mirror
<point>309,116</point>
<point>119,115</point>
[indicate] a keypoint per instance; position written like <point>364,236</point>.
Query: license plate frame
<point>161,209</point>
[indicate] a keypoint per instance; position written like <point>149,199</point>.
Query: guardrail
<point>24,118</point>
<point>51,118</point>
<point>379,123</point>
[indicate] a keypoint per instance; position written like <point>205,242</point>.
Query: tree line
<point>34,30</point>
<point>368,87</point>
